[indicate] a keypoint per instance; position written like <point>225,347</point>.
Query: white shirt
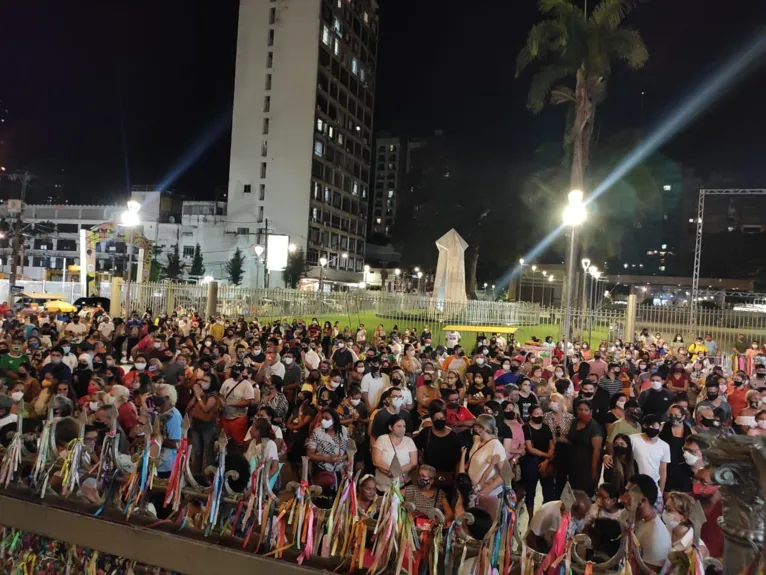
<point>386,447</point>
<point>77,330</point>
<point>276,369</point>
<point>266,451</point>
<point>480,458</point>
<point>453,338</point>
<point>69,359</point>
<point>648,456</point>
<point>374,386</point>
<point>501,342</point>
<point>311,359</point>
<point>546,519</point>
<point>106,328</point>
<point>277,433</point>
<point>654,539</point>
<point>240,392</point>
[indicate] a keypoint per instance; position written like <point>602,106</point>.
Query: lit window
<point>664,246</point>
<point>325,35</point>
<point>340,138</point>
<point>338,27</point>
<point>354,66</point>
<point>314,215</point>
<point>355,190</point>
<point>318,148</point>
<point>666,187</point>
<point>331,132</point>
<point>662,268</point>
<point>366,17</point>
<point>378,220</point>
<point>390,193</point>
<point>336,47</point>
<point>320,125</point>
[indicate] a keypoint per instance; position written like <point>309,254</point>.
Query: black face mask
<point>712,396</point>
<point>159,401</point>
<point>651,432</point>
<point>707,422</point>
<point>536,419</point>
<point>509,415</point>
<point>587,395</point>
<point>439,424</point>
<point>621,450</point>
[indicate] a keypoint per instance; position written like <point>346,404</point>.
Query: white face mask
<point>288,360</point>
<point>94,405</point>
<point>397,402</point>
<point>205,385</point>
<point>355,402</point>
<point>140,366</point>
<point>327,423</point>
<point>555,407</point>
<point>334,384</point>
<point>762,423</point>
<point>570,390</point>
<point>360,369</point>
<point>690,458</point>
<point>110,363</point>
<point>656,385</point>
<point>109,399</point>
<point>17,396</point>
<point>620,404</point>
<point>558,374</point>
<point>480,361</point>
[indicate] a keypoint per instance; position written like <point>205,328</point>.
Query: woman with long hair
<point>263,449</point>
<point>326,449</point>
<point>623,466</point>
<point>485,459</point>
<point>203,411</point>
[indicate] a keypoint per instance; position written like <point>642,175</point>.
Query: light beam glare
<point>723,80</point>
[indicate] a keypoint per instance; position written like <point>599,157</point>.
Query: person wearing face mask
<point>82,375</point>
<point>607,505</point>
<point>342,357</point>
<point>76,330</point>
<point>426,496</point>
<point>616,410</point>
<point>353,414</point>
<point>596,396</point>
<point>456,362</point>
<point>479,367</point>
<point>527,399</point>
<point>760,425</point>
<point>236,395</point>
<point>611,381</point>
<point>203,410</point>
<point>657,399</point>
<point>508,373</point>
<point>586,438</point>
<point>650,531</point>
<point>392,401</point>
<point>394,442</point>
<point>478,394</point>
<point>736,394</point>
<point>373,384</point>
<point>536,464</point>
<point>674,432</point>
<point>357,373</point>
<point>708,494</point>
<point>705,422</point>
<point>31,386</point>
<point>293,374</point>
<point>693,457</point>
<point>411,365</point>
<point>399,380</point>
<point>746,418</point>
<point>427,393</point>
<point>651,454</point>
<point>714,398</point>
<point>273,397</point>
<point>758,381</point>
<point>755,349</point>
<point>326,449</point>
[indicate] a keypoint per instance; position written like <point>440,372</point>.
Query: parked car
<point>103,302</point>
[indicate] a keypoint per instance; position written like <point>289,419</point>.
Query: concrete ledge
<point>153,547</point>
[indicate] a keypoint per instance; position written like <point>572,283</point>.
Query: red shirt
<point>736,398</point>
<point>711,533</point>
<point>146,345</point>
<point>127,416</point>
<point>459,414</point>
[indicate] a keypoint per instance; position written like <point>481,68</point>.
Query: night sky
<point>91,84</point>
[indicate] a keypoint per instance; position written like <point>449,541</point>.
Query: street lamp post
<point>258,259</point>
<point>366,275</point>
<point>521,265</point>
<point>397,273</point>
<point>550,301</point>
<point>585,263</point>
<point>594,273</point>
<point>130,219</point>
<point>573,216</point>
<point>542,292</point>
<point>420,275</point>
<point>322,264</point>
<point>534,270</point>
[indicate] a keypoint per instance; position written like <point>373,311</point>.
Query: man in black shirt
<point>393,399</point>
<point>657,399</point>
<point>598,397</point>
<point>341,357</point>
<point>479,365</point>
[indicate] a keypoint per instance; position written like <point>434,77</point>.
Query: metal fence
<point>371,308</point>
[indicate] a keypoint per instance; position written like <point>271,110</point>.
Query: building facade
<point>302,130</point>
<point>390,170</point>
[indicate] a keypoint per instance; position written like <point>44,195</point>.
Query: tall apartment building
<point>302,129</point>
<point>390,170</point>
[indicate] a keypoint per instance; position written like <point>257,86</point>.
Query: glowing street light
<point>322,264</point>
<point>573,216</point>
<point>291,248</point>
<point>130,219</point>
<point>258,249</point>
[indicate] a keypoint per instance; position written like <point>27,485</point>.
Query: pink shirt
<point>599,366</point>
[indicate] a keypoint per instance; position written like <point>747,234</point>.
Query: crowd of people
<point>624,419</point>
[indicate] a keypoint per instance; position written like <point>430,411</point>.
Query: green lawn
<point>371,321</point>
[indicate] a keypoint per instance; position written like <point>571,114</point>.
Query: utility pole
<point>24,178</point>
<point>266,256</point>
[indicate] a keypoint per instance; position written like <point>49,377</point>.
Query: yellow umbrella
<point>60,306</point>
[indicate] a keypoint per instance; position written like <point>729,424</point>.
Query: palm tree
<point>572,44</point>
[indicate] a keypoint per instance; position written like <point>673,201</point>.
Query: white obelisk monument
<point>449,282</point>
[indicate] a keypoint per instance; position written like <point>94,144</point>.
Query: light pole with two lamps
<point>573,216</point>
<point>323,261</point>
<point>397,273</point>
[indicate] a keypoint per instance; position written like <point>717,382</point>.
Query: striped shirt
<point>323,444</point>
<point>611,385</point>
